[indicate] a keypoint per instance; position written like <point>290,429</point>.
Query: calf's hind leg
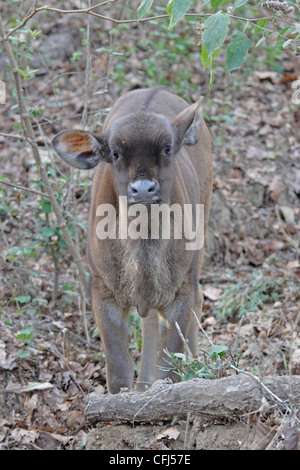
<point>178,312</point>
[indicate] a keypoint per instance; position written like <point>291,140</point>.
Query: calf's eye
<point>115,155</point>
<point>168,150</point>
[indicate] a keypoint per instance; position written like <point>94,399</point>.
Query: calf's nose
<point>143,190</point>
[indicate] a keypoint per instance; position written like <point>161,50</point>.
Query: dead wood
<point>232,396</point>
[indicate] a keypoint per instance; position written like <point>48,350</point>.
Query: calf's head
<point>141,147</point>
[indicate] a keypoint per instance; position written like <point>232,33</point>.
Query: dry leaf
<point>265,130</point>
<point>13,387</point>
<point>2,353</point>
<point>271,245</point>
<point>211,321</point>
<point>296,180</point>
<point>170,433</point>
<point>273,77</point>
<point>6,361</point>
<point>36,386</point>
<point>51,441</point>
<point>24,436</point>
<point>162,446</point>
<point>263,436</point>
<point>292,265</point>
<point>275,188</point>
<point>292,438</point>
<point>261,174</point>
<point>212,293</point>
<point>288,78</point>
<point>30,405</point>
<point>288,214</point>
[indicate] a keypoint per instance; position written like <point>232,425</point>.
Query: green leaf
<point>286,43</point>
<point>215,3</point>
<point>22,73</point>
<point>237,51</point>
<point>211,78</point>
<point>216,352</point>
<point>180,356</point>
<point>219,349</point>
<point>63,244</point>
<point>23,299</point>
<point>215,31</point>
<point>46,207</point>
<point>177,9</point>
<point>262,39</point>
<point>239,3</point>
<point>144,8</point>
<point>23,354</point>
<point>26,332</point>
<point>257,30</point>
<point>48,232</point>
<point>207,60</point>
<point>68,287</point>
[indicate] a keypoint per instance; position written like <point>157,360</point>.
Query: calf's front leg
<point>112,323</point>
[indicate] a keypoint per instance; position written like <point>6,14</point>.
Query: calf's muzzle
<point>143,191</point>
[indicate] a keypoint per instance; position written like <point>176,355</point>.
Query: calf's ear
<point>80,149</point>
<point>188,125</point>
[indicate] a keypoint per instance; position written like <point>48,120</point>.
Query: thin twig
<point>150,399</point>
<point>183,340</point>
<point>55,10</point>
<point>9,267</point>
<point>18,186</point>
<point>177,367</point>
<point>88,71</point>
<point>12,136</point>
<point>274,397</point>
<point>200,326</point>
<point>279,432</point>
<point>186,430</point>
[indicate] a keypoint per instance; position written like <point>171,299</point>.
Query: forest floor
<point>251,274</point>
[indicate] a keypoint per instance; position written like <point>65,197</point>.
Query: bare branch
<point>90,11</point>
<point>12,136</point>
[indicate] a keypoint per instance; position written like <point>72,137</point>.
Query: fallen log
<point>231,396</point>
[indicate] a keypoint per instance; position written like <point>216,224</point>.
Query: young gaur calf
<point>154,153</point>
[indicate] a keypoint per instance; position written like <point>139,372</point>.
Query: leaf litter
<point>255,131</point>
